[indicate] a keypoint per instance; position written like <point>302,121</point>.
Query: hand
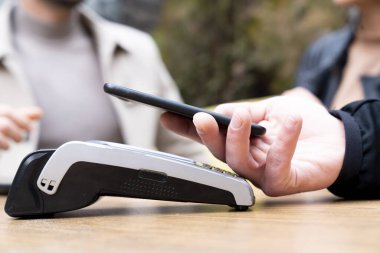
<point>14,123</point>
<point>303,149</point>
<point>303,93</point>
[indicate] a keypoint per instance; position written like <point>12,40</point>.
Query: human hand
<point>301,92</point>
<point>303,149</point>
<point>14,123</point>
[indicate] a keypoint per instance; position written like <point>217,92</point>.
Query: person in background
<point>307,147</point>
<point>55,56</point>
<point>344,66</point>
<point>141,14</point>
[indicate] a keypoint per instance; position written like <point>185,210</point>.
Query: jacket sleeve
<point>360,174</point>
<point>306,71</point>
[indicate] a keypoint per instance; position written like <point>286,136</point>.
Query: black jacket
<point>360,175</point>
<point>320,72</point>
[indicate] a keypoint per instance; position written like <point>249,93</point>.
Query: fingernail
<point>196,121</point>
<point>236,122</point>
<point>200,130</point>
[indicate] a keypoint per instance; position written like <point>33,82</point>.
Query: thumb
<point>278,167</point>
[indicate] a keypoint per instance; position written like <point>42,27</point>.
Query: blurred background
<point>224,50</point>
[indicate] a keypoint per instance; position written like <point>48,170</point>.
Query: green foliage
<point>226,50</point>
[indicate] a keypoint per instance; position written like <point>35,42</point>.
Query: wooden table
<point>310,222</point>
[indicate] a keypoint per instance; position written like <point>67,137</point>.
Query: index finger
<point>257,109</point>
<point>180,125</point>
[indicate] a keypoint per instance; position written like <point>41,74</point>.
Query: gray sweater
<point>62,67</point>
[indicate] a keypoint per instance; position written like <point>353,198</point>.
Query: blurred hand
<point>301,92</point>
<point>303,149</point>
<point>14,123</point>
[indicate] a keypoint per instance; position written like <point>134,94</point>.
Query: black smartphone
<point>182,109</point>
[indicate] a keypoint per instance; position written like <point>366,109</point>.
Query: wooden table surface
<point>310,222</point>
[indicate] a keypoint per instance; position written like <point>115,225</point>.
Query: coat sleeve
<point>360,174</point>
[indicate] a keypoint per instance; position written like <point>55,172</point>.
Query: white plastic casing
<point>138,158</point>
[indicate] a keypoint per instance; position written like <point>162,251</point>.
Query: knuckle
<point>17,137</point>
<point>222,108</point>
<point>219,108</point>
<point>4,144</point>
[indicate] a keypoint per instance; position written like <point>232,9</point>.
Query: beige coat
<point>127,57</point>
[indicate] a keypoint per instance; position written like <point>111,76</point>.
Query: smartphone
<point>182,109</point>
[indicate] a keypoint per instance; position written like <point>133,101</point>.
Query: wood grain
<point>310,222</point>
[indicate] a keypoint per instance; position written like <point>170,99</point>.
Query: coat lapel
<point>119,64</point>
